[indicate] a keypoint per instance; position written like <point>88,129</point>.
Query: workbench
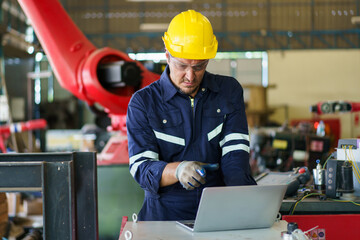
<point>170,230</point>
<point>313,205</point>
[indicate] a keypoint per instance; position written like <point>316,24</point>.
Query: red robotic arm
<point>104,76</point>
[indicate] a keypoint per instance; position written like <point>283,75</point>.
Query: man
<point>188,130</point>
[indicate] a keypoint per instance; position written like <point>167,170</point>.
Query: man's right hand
<point>190,174</point>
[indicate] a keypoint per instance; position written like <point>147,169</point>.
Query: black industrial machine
<point>342,172</point>
<point>339,179</point>
<point>285,149</point>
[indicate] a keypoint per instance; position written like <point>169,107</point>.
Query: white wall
<point>306,77</point>
<point>246,71</point>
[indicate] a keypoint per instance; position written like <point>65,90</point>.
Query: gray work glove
<point>190,174</point>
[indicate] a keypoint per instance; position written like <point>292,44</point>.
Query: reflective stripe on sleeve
<point>231,148</point>
<point>234,136</point>
<point>135,166</point>
<point>146,154</point>
<point>150,155</point>
<point>215,132</point>
<point>169,138</point>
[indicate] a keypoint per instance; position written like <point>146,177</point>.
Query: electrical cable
<point>351,158</point>
<point>292,209</point>
<point>293,206</point>
<point>347,158</point>
<point>347,201</point>
<point>354,164</point>
<point>327,160</point>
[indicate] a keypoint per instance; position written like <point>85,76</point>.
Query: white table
<point>169,230</point>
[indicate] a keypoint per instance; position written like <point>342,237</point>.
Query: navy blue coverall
<point>165,125</point>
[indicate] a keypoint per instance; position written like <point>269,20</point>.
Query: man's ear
<point>167,56</point>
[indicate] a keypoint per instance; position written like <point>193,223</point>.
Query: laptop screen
<point>239,207</point>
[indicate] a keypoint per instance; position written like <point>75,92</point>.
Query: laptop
<point>237,207</point>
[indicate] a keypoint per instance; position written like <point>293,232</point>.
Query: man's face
<point>186,74</point>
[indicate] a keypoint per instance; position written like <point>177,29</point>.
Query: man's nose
<point>190,74</point>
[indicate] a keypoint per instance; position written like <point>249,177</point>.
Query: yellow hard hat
<point>190,36</point>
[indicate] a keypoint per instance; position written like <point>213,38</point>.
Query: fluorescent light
<point>146,27</point>
<point>159,0</point>
<point>156,57</point>
<point>39,56</point>
<point>30,49</point>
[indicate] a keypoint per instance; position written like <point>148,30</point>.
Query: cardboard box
<point>33,207</point>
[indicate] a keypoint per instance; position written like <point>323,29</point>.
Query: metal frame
<point>245,41</point>
<point>68,182</point>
